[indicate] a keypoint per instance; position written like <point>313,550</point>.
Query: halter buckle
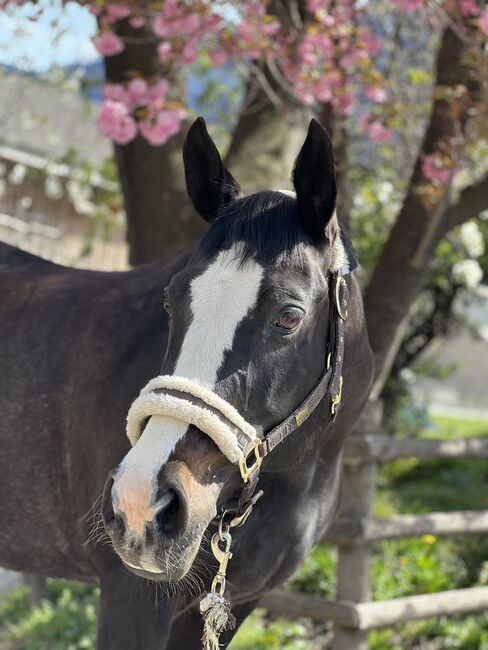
<point>254,457</point>
<point>341,282</point>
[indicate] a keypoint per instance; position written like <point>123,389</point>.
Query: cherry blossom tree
<point>297,57</point>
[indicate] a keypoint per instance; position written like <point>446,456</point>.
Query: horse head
<point>249,323</point>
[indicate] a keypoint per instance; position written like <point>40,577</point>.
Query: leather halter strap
<point>329,386</point>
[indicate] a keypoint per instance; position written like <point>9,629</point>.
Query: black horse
<point>246,313</point>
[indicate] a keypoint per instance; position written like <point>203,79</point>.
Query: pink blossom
<point>434,170</point>
<point>167,26</point>
<point>164,52</point>
<point>116,12</point>
<point>115,122</point>
<point>379,132</point>
<point>344,103</point>
<point>483,22</point>
<point>116,93</point>
<point>271,28</point>
<point>372,42</point>
<point>189,53</point>
<point>322,90</point>
<point>108,44</point>
<point>137,90</point>
<point>218,57</point>
<point>309,58</point>
<point>469,8</point>
<point>157,91</point>
<point>305,96</point>
<point>157,129</point>
<point>162,28</point>
<point>247,30</point>
<point>95,10</point>
<point>375,94</point>
<point>409,5</point>
<point>137,22</point>
<point>315,5</point>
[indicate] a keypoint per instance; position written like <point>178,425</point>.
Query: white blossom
<point>385,190</point>
<point>24,203</point>
<point>83,206</point>
<point>483,332</point>
<point>467,273</point>
<point>96,178</point>
<point>472,239</point>
<point>408,375</point>
<point>17,174</point>
<point>53,188</point>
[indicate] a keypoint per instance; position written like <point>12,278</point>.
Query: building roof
<point>46,120</point>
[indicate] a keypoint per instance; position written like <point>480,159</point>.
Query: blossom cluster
<point>328,55</point>
<point>139,107</point>
<point>329,58</point>
<point>468,272</point>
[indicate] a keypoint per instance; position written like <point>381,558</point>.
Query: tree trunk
<point>273,125</point>
<point>266,142</point>
<point>159,216</point>
<point>404,260</point>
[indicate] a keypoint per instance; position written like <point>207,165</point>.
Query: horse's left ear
<point>210,185</point>
<point>315,183</point>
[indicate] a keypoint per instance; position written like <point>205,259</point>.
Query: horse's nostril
<point>167,517</point>
<point>108,511</point>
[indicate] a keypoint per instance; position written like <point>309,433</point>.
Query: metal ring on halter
<point>341,282</point>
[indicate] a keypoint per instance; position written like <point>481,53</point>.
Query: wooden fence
<point>356,529</point>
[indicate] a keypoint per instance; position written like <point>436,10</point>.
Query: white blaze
<point>221,297</point>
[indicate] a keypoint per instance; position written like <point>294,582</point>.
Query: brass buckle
<point>255,457</point>
<point>336,399</point>
<point>341,282</point>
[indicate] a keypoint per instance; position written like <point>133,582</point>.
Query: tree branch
<point>472,200</point>
<point>401,270</point>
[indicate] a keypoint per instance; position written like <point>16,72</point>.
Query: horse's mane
<point>266,224</point>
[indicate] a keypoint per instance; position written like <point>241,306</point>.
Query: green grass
<point>66,621</point>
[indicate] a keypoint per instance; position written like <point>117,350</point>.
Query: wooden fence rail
<point>356,529</point>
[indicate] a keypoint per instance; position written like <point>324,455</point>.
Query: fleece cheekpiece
<point>235,440</point>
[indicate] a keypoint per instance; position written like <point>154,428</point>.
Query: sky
<point>60,37</point>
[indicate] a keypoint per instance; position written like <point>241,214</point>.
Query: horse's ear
<point>210,185</point>
<point>315,183</point>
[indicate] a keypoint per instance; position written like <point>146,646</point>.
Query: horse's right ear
<point>210,185</point>
<point>315,183</point>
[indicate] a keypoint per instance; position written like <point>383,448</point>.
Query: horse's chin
<point>171,567</point>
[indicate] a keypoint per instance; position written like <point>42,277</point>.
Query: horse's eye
<point>288,320</point>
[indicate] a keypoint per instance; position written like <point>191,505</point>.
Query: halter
<point>190,402</point>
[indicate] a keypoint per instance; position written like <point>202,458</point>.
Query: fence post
<point>38,589</point>
<point>354,561</point>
